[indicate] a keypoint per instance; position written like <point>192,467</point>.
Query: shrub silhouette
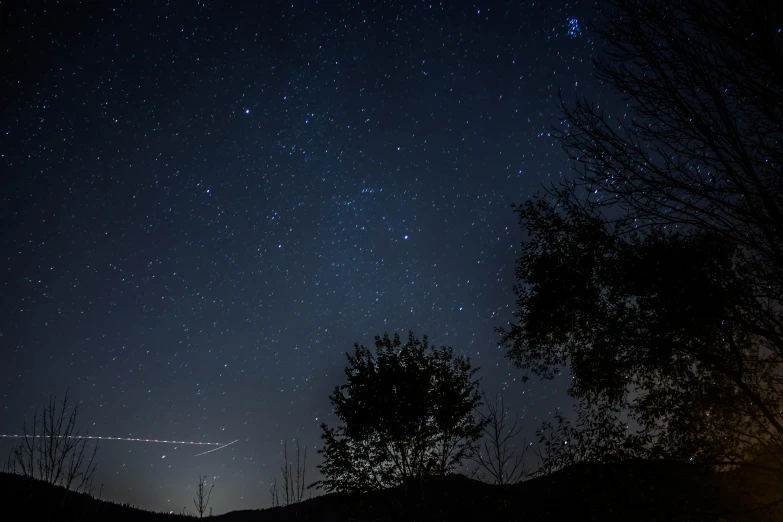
<point>407,412</point>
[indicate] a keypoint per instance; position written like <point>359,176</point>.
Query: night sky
<point>205,204</point>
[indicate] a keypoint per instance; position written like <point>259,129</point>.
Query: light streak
<point>127,439</point>
<point>221,447</point>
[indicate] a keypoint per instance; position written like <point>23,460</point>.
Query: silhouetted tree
<point>699,147</point>
<point>598,434</point>
<point>201,500</point>
<point>273,494</point>
<point>555,447</point>
<point>407,412</point>
<point>651,323</point>
<point>293,478</point>
<point>53,450</point>
<point>656,274</point>
<point>501,455</point>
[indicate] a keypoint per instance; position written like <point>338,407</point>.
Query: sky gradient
<point>205,204</point>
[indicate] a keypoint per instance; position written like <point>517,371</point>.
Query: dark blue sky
<point>205,204</point>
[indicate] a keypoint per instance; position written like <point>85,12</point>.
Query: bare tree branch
<point>201,500</point>
<point>498,455</point>
<point>293,477</point>
<point>53,450</point>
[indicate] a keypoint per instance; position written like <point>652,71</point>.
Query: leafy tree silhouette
<point>656,274</point>
<point>406,413</point>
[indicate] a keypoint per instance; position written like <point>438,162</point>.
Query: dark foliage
<point>655,275</point>
<point>597,435</point>
<point>648,323</point>
<point>407,412</point>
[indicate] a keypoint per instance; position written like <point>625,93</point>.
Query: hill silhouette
<point>636,490</point>
<point>23,498</point>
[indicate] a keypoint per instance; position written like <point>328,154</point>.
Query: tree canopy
<point>654,275</point>
<point>406,412</point>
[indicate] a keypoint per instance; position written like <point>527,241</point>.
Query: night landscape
<point>386,261</point>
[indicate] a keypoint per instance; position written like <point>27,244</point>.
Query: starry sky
<point>205,204</point>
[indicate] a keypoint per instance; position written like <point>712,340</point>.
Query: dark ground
<point>631,491</point>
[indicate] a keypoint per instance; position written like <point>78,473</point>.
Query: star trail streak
<point>215,449</point>
<point>127,439</point>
